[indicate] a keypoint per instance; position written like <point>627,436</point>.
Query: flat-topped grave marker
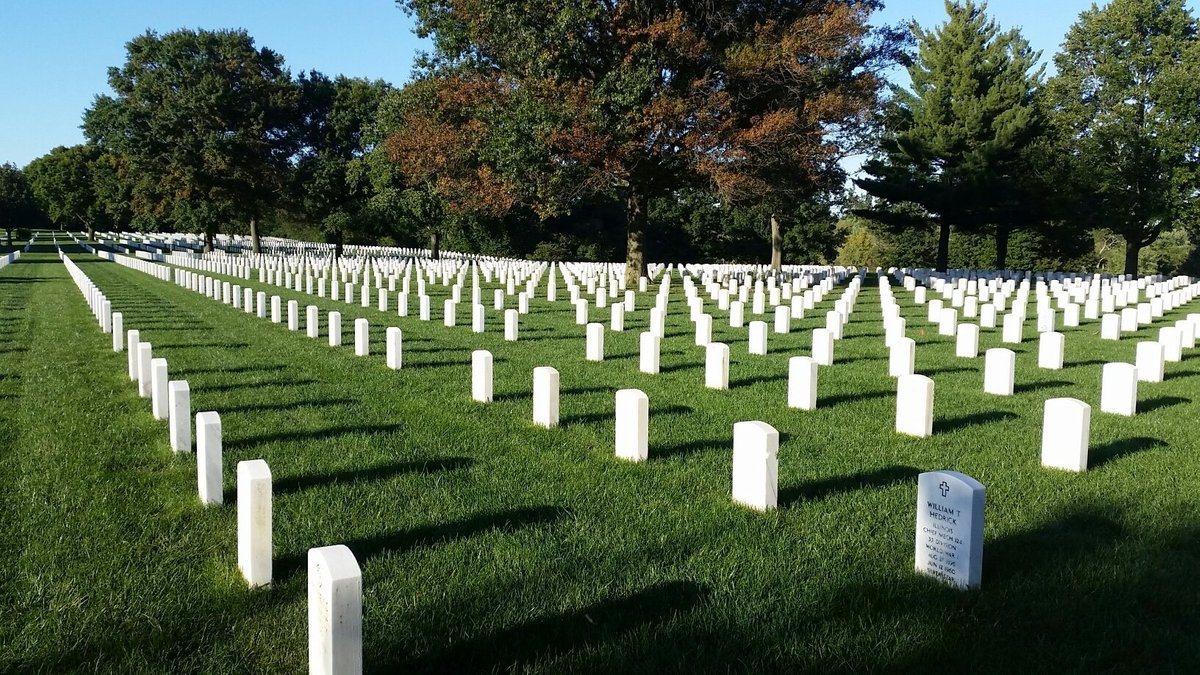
<point>481,375</point>
<point>914,406</point>
<point>716,365</point>
<point>649,346</point>
<point>254,521</point>
<point>632,424</point>
<point>1118,389</point>
<point>802,383</point>
<point>362,337</point>
<point>545,397</point>
<point>179,406</point>
<point>208,457</point>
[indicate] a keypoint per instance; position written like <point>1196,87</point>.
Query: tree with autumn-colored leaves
<point>542,104</point>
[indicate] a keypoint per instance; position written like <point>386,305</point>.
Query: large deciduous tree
<point>957,140</point>
<point>1127,107</point>
<point>202,119</point>
<point>17,205</point>
<point>63,182</point>
<point>544,104</point>
<point>335,116</point>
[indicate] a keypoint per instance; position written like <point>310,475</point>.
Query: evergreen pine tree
<point>955,142</point>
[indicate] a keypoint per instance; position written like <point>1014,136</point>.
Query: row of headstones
<point>6,260</point>
<point>949,531</point>
<point>939,552</point>
<point>334,576</point>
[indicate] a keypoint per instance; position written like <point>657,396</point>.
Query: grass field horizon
<point>488,544</point>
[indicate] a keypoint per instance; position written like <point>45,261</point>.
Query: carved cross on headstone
<point>945,488</point>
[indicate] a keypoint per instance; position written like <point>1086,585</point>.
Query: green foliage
<point>955,142</point>
<point>202,118</point>
<point>1125,99</point>
<point>64,186</point>
<point>18,208</point>
<point>330,188</point>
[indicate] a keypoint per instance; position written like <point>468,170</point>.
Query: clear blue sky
<point>54,54</point>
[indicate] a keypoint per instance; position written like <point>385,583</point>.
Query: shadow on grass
<point>326,434</point>
<point>374,473</point>
<point>1036,386</point>
<point>1076,534</point>
<point>946,371</point>
<point>1103,454</point>
<point>859,359</point>
<point>746,381</point>
<point>1089,362</point>
<point>864,480</point>
<point>204,345</point>
<point>690,447</point>
<point>1150,405</point>
<point>261,368</point>
<point>1181,374</point>
<point>404,540</point>
<point>831,401</point>
<point>276,407</point>
<point>680,367</point>
<point>551,635</point>
<point>607,416</point>
<point>522,395</point>
<point>972,420</point>
<point>251,385</point>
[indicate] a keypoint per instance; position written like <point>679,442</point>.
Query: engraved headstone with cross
<point>949,535</point>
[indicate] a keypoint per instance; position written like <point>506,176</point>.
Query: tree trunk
<point>338,239</point>
<point>776,244</point>
<point>1132,250</point>
<point>91,232</point>
<point>1002,233</point>
<point>435,246</point>
<point>8,234</point>
<point>635,237</point>
<point>255,244</point>
<point>943,252</point>
<point>209,235</point>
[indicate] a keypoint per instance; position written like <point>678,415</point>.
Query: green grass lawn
<point>490,545</point>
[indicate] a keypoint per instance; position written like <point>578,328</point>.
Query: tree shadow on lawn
<point>974,419</point>
<point>400,541</point>
<point>1133,617</point>
<point>1103,454</point>
<point>552,635</point>
<point>820,489</point>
